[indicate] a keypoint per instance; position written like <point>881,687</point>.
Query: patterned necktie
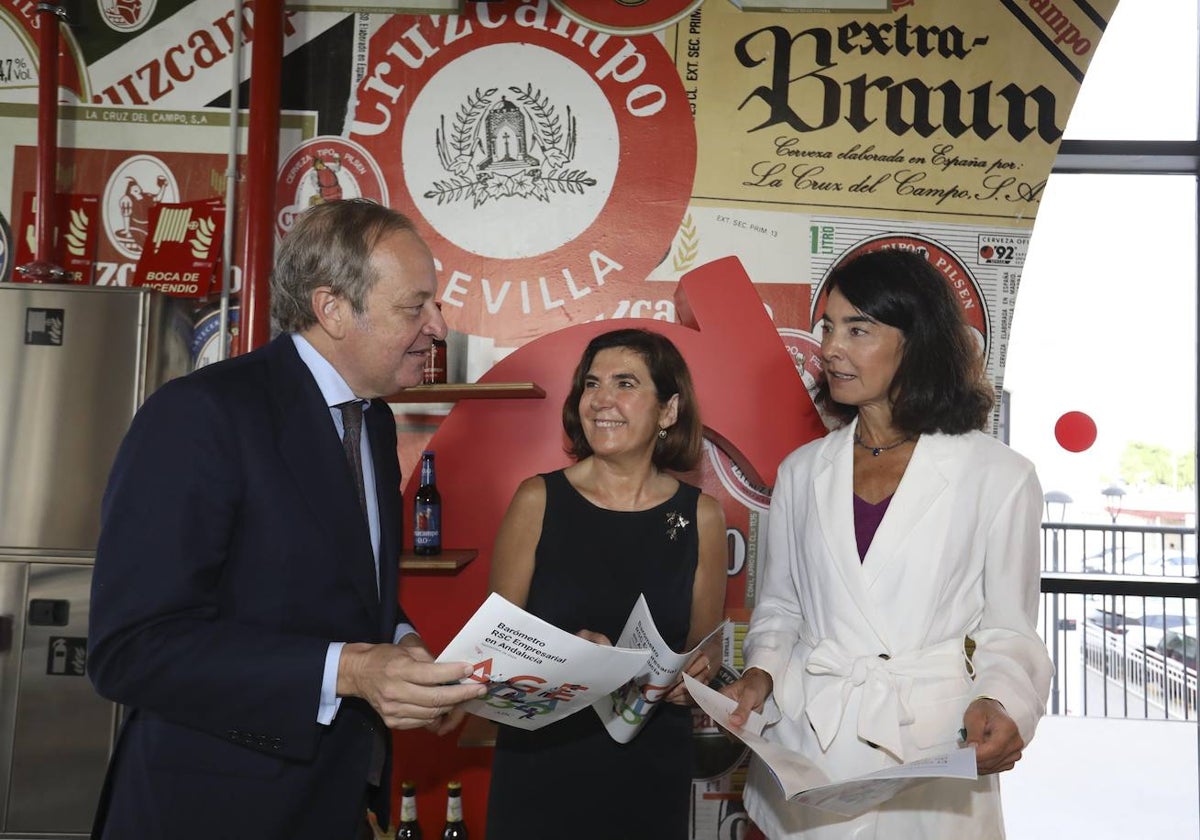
<point>352,419</point>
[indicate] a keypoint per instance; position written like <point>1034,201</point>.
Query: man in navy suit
<point>244,605</point>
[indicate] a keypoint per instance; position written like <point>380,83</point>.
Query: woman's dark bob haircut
<point>680,450</point>
<point>940,385</point>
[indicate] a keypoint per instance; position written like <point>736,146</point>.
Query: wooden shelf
<point>454,391</point>
<point>450,560</point>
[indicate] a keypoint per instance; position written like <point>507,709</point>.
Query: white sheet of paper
<point>802,781</point>
<point>536,673</point>
<point>625,711</point>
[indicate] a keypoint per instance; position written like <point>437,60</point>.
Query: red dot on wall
<point>1075,431</point>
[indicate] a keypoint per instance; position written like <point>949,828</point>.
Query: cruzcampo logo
<point>547,165</point>
<point>126,15</point>
<point>497,148</point>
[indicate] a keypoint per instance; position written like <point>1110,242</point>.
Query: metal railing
<point>1119,617</point>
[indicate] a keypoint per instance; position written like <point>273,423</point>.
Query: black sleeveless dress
<point>570,778</point>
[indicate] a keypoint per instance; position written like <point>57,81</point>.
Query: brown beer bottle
<point>435,366</point>
<point>455,828</point>
<point>409,828</point>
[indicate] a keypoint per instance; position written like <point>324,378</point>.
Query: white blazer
<point>867,657</point>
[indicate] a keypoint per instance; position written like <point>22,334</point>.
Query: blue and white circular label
<point>204,346</point>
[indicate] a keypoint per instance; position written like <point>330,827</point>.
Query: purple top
<point>867,517</point>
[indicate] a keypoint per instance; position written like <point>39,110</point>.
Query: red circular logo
<point>627,17</point>
<point>324,169</point>
<point>532,150</point>
<point>962,282</point>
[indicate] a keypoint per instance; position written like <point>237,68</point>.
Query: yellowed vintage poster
<point>931,127</point>
<point>939,109</point>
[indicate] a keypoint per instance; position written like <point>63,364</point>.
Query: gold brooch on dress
<point>675,524</point>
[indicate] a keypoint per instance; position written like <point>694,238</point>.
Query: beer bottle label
<point>408,810</point>
<point>428,530</point>
<point>435,365</point>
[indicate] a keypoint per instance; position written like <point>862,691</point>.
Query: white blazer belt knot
<point>886,685</point>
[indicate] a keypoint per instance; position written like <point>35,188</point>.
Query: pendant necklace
<point>876,450</point>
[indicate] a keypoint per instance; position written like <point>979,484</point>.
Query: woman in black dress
<point>576,548</point>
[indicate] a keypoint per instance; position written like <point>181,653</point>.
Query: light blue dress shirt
<point>335,391</point>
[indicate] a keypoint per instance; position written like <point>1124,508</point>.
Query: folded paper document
<point>803,782</point>
<point>538,673</point>
<point>626,710</point>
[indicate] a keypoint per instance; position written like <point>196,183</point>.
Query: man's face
<point>386,348</point>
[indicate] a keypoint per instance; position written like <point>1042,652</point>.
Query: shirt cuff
<point>329,700</point>
<point>402,630</point>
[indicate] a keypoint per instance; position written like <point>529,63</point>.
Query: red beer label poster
<point>547,165</point>
<point>23,19</point>
<point>627,17</point>
<point>130,185</point>
<point>966,290</point>
<point>324,169</point>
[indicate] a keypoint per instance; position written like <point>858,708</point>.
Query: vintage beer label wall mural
<point>550,164</point>
<point>325,169</point>
<point>932,127</point>
<point>569,161</point>
<point>943,110</point>
<point>133,160</point>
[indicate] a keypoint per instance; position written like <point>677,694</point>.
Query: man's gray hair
<point>329,245</point>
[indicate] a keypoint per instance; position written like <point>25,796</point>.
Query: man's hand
<point>997,742</point>
<point>404,685</point>
<point>750,692</point>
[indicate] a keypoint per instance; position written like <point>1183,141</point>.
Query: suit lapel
<point>921,485</point>
<point>309,445</point>
<point>833,489</point>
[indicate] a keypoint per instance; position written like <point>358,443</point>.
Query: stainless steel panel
<point>12,626</point>
<point>64,730</point>
<point>65,407</point>
<point>167,349</point>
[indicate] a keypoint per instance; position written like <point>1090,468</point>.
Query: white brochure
<point>801,781</point>
<point>625,711</point>
<point>536,673</point>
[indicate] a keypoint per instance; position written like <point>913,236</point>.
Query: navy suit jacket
<point>232,552</point>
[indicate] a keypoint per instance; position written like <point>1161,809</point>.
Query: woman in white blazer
<point>900,587</point>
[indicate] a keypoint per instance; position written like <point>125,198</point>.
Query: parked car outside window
<point>1134,561</point>
<point>1112,621</point>
<point>1175,565</point>
<point>1157,625</point>
<point>1182,647</point>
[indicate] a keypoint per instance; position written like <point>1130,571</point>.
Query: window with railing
<point>1105,323</point>
<point>1119,616</point>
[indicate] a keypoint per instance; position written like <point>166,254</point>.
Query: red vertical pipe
<point>43,269</point>
<point>262,163</point>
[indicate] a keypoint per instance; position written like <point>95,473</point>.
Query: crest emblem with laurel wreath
<point>491,149</point>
